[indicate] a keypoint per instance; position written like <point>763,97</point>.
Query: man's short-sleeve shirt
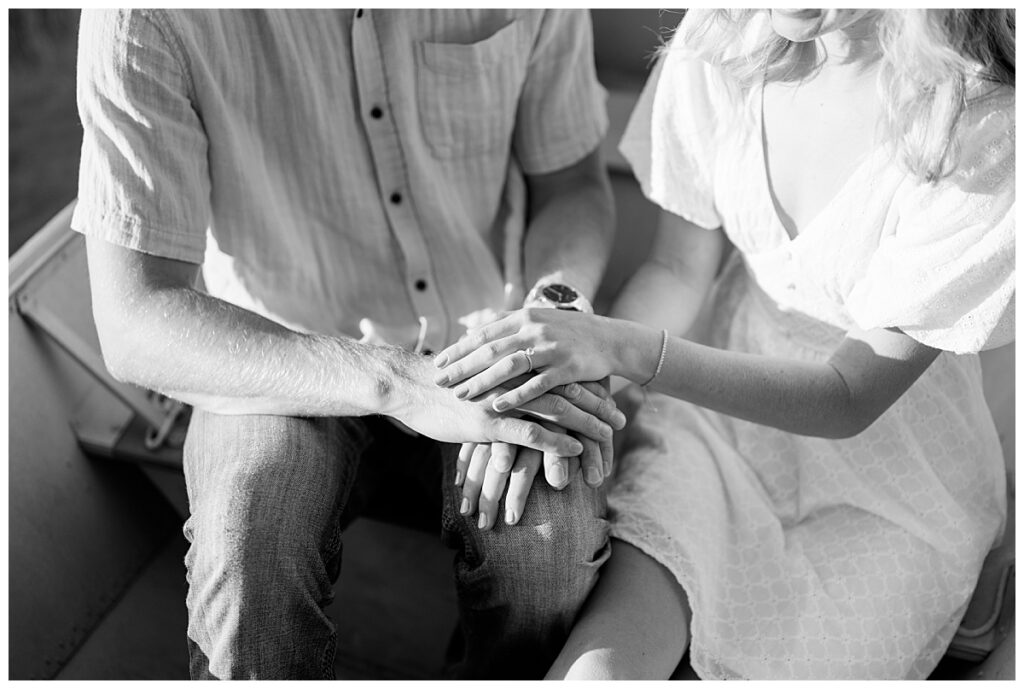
<point>331,165</point>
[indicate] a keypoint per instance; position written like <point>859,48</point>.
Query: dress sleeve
<point>669,140</point>
<point>945,275</point>
<point>143,178</point>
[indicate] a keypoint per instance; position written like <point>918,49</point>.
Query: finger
<point>594,399</point>
<point>559,410</point>
<point>591,462</point>
<point>532,434</point>
<point>556,470</point>
<point>518,363</point>
<point>534,387</point>
<point>494,482</point>
<point>607,457</point>
<point>474,478</point>
<point>488,356</point>
<point>602,388</point>
<point>520,481</point>
<point>556,467</point>
<point>462,463</point>
<point>599,388</point>
<point>474,340</point>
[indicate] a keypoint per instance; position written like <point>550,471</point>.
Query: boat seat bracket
<point>158,412</point>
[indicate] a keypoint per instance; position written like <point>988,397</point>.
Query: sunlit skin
<point>802,25</point>
<point>817,129</point>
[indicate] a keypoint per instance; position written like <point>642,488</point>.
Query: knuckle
<point>573,391</point>
<point>493,349</point>
<point>541,383</point>
<point>559,405</point>
<point>532,433</point>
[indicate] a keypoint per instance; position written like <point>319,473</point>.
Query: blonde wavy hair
<point>933,63</point>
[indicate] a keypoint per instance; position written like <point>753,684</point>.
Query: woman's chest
<point>813,141</point>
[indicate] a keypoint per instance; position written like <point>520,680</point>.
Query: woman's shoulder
<point>986,141</point>
<point>989,120</point>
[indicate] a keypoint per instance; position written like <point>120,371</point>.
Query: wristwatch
<point>555,295</point>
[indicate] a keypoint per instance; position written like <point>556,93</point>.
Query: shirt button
<point>396,198</point>
<point>428,352</point>
<point>376,113</point>
<point>421,285</point>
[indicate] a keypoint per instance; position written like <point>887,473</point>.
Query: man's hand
<point>412,398</point>
<point>484,470</point>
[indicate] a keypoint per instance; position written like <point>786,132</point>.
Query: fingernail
<point>441,360</point>
<point>594,476</point>
<point>558,475</point>
<point>482,522</point>
<point>441,379</point>
<point>465,506</point>
<point>458,478</point>
<point>575,448</point>
<point>500,405</point>
<point>607,469</point>
<point>606,432</point>
<point>620,419</point>
<point>510,517</point>
<point>461,392</point>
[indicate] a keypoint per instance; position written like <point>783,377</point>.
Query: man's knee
<point>265,489</point>
<point>560,543</point>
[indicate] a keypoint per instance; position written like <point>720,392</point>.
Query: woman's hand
<point>560,347</point>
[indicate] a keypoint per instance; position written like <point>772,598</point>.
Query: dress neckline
<point>765,180</point>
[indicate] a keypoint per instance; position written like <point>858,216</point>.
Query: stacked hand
<point>542,424</point>
<point>561,348</point>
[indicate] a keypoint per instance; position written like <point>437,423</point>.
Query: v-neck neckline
<point>764,175</point>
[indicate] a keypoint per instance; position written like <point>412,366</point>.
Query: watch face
<point>560,294</point>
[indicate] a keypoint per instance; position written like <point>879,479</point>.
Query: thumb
<point>514,296</point>
<point>371,335</point>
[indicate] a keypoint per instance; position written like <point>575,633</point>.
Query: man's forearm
<point>571,226</point>
<point>217,356</point>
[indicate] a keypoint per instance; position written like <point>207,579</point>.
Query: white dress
<point>809,558</point>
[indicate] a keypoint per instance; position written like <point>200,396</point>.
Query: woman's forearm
<point>639,301</point>
<point>799,397</point>
<point>669,288</point>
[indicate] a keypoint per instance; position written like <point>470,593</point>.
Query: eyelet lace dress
<point>811,558</point>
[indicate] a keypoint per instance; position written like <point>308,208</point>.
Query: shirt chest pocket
<point>468,92</point>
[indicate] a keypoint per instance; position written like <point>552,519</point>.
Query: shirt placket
<point>393,182</point>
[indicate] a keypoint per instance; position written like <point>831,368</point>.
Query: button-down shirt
<point>331,165</point>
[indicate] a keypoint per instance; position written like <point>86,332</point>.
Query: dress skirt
<point>813,558</point>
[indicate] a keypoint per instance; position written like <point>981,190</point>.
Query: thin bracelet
<point>661,359</point>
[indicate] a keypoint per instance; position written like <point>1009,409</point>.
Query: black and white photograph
<point>480,344</point>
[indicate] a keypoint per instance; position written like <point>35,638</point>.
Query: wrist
<point>398,379</point>
<point>638,352</point>
<point>552,294</point>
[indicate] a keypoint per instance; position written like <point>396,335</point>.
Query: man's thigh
<point>281,474</point>
<point>399,479</point>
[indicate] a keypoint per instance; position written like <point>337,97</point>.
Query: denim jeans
<point>269,497</point>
